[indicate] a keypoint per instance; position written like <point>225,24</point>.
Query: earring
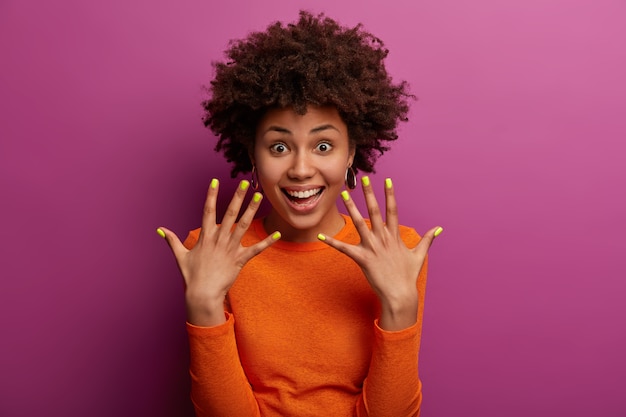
<point>350,178</point>
<point>254,180</point>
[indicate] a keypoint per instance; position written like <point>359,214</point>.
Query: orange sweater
<point>301,339</point>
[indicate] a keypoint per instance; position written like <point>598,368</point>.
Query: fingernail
<point>345,195</point>
<point>276,235</point>
<point>214,183</point>
<point>257,197</point>
<point>365,180</point>
<point>388,183</point>
<point>321,237</point>
<point>438,231</point>
<point>161,233</point>
<point>244,184</point>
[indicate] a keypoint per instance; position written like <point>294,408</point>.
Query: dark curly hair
<point>314,61</point>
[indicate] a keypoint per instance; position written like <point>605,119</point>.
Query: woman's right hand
<point>212,266</point>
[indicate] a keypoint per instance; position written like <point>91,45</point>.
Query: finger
<point>259,247</point>
<point>173,241</point>
<point>210,208</point>
<point>353,211</point>
<point>248,216</point>
<point>230,217</point>
<point>345,248</point>
<point>372,205</point>
<point>391,217</point>
<point>427,240</point>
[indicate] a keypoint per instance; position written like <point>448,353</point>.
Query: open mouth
<point>303,198</point>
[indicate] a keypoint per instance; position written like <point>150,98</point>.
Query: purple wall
<point>516,146</point>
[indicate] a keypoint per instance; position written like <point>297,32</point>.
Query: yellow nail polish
<point>345,195</point>
<point>244,184</point>
<point>438,231</point>
<point>366,181</point>
<point>257,197</point>
<point>276,235</point>
<point>161,233</point>
<point>214,183</point>
<point>388,183</point>
<point>321,237</point>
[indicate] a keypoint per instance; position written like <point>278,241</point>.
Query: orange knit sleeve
<point>219,386</point>
<point>392,386</point>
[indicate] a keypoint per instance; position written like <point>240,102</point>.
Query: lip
<point>303,208</point>
<point>301,187</point>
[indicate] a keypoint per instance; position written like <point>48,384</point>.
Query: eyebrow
<point>317,129</point>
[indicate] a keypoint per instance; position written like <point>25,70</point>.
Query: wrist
<point>205,312</point>
<point>400,313</point>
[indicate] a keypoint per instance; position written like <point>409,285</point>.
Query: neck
<point>303,230</point>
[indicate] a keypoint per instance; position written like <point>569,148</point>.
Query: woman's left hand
<point>390,267</point>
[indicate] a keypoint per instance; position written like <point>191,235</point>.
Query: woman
<point>307,311</point>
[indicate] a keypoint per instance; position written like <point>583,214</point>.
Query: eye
<point>278,148</point>
<point>324,147</point>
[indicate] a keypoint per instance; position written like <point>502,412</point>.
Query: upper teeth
<point>304,194</point>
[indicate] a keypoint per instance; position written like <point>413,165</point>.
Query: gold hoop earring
<point>350,179</point>
<point>254,180</point>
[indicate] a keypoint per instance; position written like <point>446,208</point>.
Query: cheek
<point>336,170</point>
<point>268,173</point>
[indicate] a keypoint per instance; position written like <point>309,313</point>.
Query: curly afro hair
<point>314,61</point>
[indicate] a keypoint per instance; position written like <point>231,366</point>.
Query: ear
<point>251,155</point>
<point>351,153</point>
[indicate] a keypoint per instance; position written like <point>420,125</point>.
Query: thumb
<point>427,240</point>
<point>173,241</point>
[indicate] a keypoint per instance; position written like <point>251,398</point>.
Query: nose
<point>302,166</point>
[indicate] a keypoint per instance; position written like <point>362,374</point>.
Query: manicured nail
<point>244,184</point>
<point>257,197</point>
<point>388,183</point>
<point>438,231</point>
<point>345,195</point>
<point>321,237</point>
<point>366,181</point>
<point>214,183</point>
<point>161,233</point>
<point>276,235</point>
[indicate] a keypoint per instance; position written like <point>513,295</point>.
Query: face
<point>301,161</point>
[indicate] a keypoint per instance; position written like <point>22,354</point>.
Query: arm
<point>392,269</point>
<point>210,265</point>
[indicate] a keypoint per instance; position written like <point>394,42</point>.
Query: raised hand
<point>212,266</point>
<point>390,267</point>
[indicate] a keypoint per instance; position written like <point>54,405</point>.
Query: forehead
<point>288,119</point>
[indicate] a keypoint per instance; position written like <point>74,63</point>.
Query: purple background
<point>516,146</point>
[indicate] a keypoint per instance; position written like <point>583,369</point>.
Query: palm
<point>211,267</point>
<point>389,265</point>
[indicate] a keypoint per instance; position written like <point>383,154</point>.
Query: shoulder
<point>409,236</point>
<point>251,236</point>
<point>192,239</point>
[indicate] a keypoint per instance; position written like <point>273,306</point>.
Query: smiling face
<point>301,161</point>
